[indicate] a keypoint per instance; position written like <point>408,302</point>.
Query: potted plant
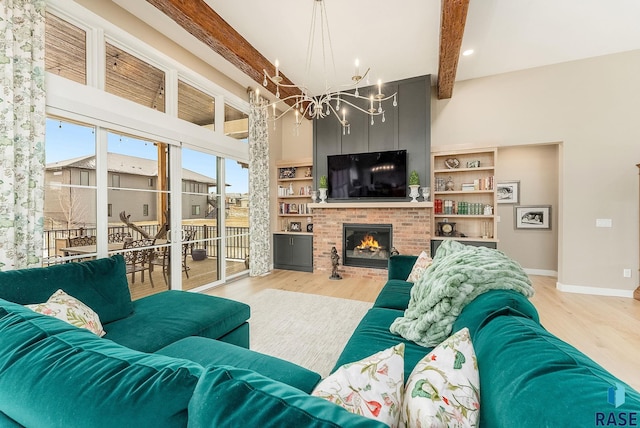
<point>323,186</point>
<point>414,185</point>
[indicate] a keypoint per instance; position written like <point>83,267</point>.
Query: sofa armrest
<point>400,266</point>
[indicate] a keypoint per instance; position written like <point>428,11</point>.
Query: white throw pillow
<point>443,389</point>
<point>371,387</point>
<point>421,264</point>
<point>67,308</point>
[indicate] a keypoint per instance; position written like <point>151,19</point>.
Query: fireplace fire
<point>366,245</point>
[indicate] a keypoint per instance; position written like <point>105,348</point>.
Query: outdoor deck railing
<point>237,245</point>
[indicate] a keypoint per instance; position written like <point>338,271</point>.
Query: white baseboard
<point>541,272</point>
<point>598,291</point>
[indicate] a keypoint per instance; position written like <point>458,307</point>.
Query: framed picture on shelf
<point>287,173</point>
<point>295,226</point>
<point>532,217</point>
<point>293,209</point>
<point>508,192</point>
<point>310,227</point>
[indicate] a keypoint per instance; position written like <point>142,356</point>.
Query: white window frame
<point>91,105</point>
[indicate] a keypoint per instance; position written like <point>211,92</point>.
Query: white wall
<point>592,107</point>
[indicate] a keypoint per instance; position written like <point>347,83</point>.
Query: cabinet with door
<point>464,197</point>
<point>293,251</point>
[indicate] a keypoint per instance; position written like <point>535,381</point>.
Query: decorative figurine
<point>394,252</point>
<point>335,261</point>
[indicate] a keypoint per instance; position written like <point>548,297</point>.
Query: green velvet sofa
<point>53,374</point>
<point>173,359</point>
<point>146,324</point>
<point>528,377</point>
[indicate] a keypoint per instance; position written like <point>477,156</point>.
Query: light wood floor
<point>607,329</point>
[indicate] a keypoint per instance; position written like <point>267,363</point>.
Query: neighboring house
<point>133,185</point>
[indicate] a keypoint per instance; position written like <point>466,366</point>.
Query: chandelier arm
<point>367,112</point>
<point>360,97</point>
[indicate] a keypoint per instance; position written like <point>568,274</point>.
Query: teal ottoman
<point>163,318</point>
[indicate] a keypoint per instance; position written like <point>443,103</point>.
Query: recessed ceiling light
<point>468,52</point>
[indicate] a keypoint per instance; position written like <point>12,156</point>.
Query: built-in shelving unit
<point>294,187</point>
<point>464,195</point>
<point>293,243</point>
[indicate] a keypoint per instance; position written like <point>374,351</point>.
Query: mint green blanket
<point>458,275</point>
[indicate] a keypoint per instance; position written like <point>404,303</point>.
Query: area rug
<point>306,329</point>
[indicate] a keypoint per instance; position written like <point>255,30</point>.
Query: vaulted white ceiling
<point>400,39</point>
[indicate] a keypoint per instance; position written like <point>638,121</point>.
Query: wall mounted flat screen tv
<point>368,175</point>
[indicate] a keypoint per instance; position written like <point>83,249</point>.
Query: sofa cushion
<point>372,335</point>
<point>100,284</point>
<point>231,397</point>
<point>55,375</point>
<point>69,309</point>
<point>444,387</point>
<point>161,319</point>
<point>211,352</point>
<point>394,295</point>
<point>7,422</point>
<point>419,267</point>
<point>493,303</point>
<point>400,266</point>
<point>371,387</point>
<point>531,378</point>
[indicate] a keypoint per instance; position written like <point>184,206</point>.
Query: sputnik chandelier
<point>333,101</point>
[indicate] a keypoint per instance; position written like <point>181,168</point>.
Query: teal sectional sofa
<point>528,377</point>
<point>173,359</point>
<point>176,372</point>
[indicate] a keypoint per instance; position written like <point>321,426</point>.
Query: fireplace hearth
<point>366,245</point>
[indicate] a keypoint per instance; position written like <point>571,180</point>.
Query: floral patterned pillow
<point>443,389</point>
<point>67,308</point>
<point>371,387</point>
<point>423,262</point>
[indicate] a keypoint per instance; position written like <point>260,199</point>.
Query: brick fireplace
<point>411,223</point>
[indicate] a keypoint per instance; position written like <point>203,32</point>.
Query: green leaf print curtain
<point>22,129</point>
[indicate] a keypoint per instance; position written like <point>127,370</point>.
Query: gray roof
<point>124,164</point>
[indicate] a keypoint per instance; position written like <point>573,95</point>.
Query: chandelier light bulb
<point>277,68</point>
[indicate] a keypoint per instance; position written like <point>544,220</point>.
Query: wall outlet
<point>626,273</point>
<point>498,219</point>
<point>604,222</point>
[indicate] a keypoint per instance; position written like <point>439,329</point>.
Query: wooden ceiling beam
<point>452,22</point>
<point>196,17</point>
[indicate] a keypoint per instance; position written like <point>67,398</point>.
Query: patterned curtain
<point>22,129</point>
<point>259,219</point>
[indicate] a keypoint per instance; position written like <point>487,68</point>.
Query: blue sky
<point>66,140</point>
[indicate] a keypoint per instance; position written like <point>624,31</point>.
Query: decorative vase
<point>323,196</point>
<point>414,193</point>
<point>426,193</point>
<point>314,196</point>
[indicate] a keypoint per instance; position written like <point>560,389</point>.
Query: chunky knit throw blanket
<point>459,274</point>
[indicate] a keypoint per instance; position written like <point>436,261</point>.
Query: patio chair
<point>81,241</point>
<point>139,260</point>
<point>113,238</point>
<point>162,257</point>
